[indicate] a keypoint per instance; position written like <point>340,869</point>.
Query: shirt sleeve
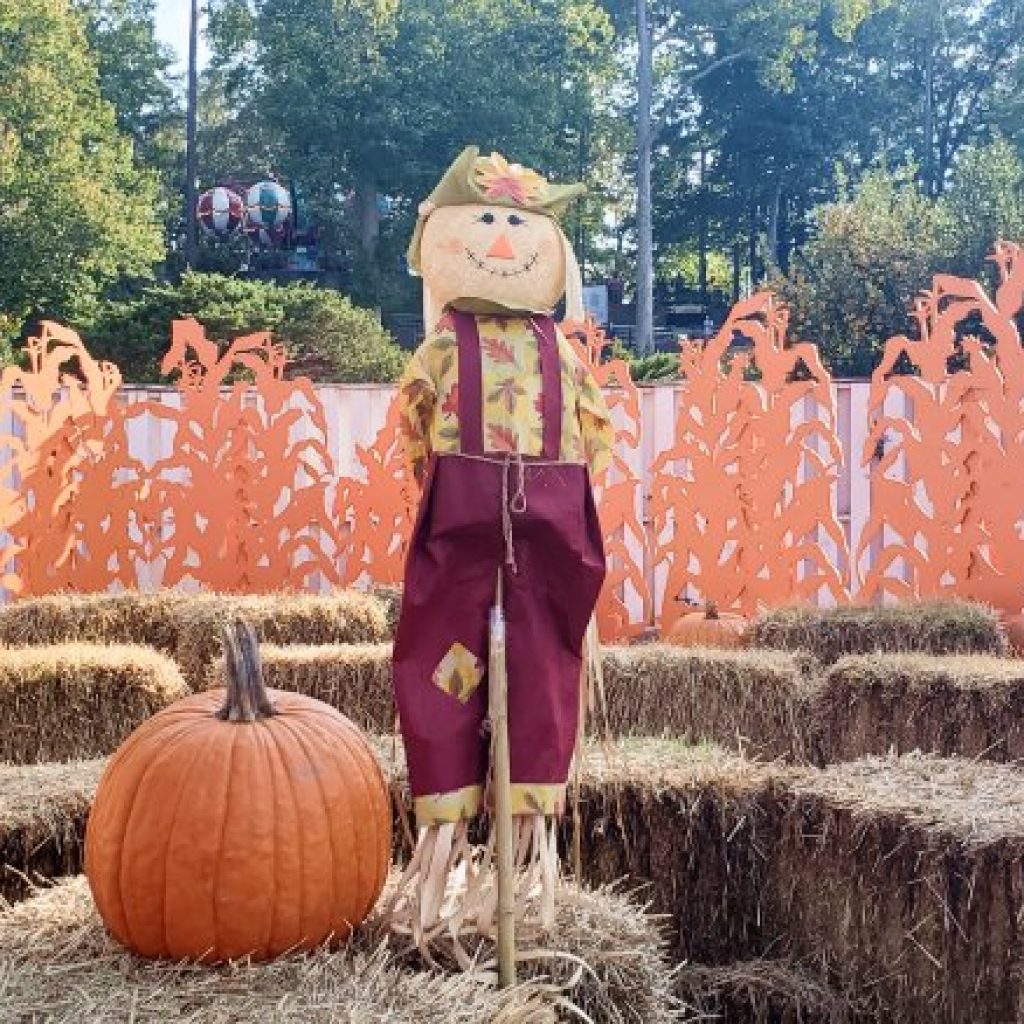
<point>596,425</point>
<point>417,392</point>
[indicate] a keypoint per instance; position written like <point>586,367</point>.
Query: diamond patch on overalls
<point>459,673</point>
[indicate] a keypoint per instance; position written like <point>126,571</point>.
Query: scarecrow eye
<point>487,218</point>
<point>515,219</point>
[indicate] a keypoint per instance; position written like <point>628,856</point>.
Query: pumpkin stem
<point>247,699</point>
<point>711,610</point>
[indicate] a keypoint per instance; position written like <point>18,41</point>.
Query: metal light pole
<point>644,333</point>
<point>190,139</point>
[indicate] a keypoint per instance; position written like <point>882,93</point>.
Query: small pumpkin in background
<point>708,628</point>
<point>245,822</point>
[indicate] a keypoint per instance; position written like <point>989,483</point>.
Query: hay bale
<point>79,700</point>
<point>750,700</point>
<point>56,962</point>
<point>692,827</point>
<point>126,618</point>
<point>764,992</point>
<point>43,810</point>
<point>904,877</point>
<point>970,705</point>
<point>354,678</point>
<point>899,879</point>
<point>347,617</point>
<point>390,596</point>
<point>926,627</point>
<point>689,825</point>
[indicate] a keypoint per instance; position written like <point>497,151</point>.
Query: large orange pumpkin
<point>245,822</point>
<point>708,628</point>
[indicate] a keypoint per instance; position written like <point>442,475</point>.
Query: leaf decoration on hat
<point>498,179</point>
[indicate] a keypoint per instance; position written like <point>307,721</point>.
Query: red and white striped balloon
<point>221,211</point>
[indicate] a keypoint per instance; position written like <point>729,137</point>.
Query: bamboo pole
<point>504,848</point>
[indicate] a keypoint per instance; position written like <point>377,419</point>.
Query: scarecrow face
<point>480,257</point>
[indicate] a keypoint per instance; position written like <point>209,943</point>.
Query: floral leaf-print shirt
<point>511,393</point>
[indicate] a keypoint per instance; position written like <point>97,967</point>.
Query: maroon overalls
<point>536,519</point>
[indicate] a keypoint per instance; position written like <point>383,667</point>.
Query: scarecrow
<point>503,425</point>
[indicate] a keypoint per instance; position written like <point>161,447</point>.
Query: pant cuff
<point>538,798</point>
<point>444,808</point>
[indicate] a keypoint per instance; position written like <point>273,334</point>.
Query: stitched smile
<point>525,268</point>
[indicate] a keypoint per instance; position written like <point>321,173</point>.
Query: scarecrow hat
<point>491,180</point>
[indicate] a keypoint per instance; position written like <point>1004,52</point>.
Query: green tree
<point>915,78</point>
<point>682,45</point>
<point>76,214</point>
<point>873,249</point>
<point>369,99</point>
<point>984,201</point>
<point>878,245</point>
<point>136,78</point>
<point>135,74</point>
<point>327,338</point>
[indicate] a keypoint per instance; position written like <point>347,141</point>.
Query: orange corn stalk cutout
<point>618,491</point>
<point>374,514</point>
<point>69,484</point>
<point>244,487</point>
<point>946,500</point>
<point>741,502</point>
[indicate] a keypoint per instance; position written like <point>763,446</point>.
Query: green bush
<point>327,338</point>
<point>877,245</point>
<point>925,627</point>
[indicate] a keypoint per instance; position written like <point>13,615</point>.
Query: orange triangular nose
<point>502,248</point>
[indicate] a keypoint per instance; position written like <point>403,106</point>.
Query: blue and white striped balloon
<point>268,206</point>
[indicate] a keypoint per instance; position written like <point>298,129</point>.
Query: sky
<point>172,28</point>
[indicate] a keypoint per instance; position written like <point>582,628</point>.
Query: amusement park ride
<point>270,216</point>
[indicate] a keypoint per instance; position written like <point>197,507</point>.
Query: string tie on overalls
<point>514,502</point>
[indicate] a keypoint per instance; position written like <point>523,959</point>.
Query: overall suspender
<point>471,413</point>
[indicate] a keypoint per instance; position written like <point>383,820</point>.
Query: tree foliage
<point>877,246</point>
<point>368,99</point>
<point>76,214</point>
<point>914,83</point>
<point>136,78</point>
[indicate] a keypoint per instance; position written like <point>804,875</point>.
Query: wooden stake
<point>504,843</point>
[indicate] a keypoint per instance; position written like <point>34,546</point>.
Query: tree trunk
<point>191,169</point>
<point>736,249</point>
<point>367,219</point>
<point>785,237</point>
<point>580,205</point>
<point>645,241</point>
